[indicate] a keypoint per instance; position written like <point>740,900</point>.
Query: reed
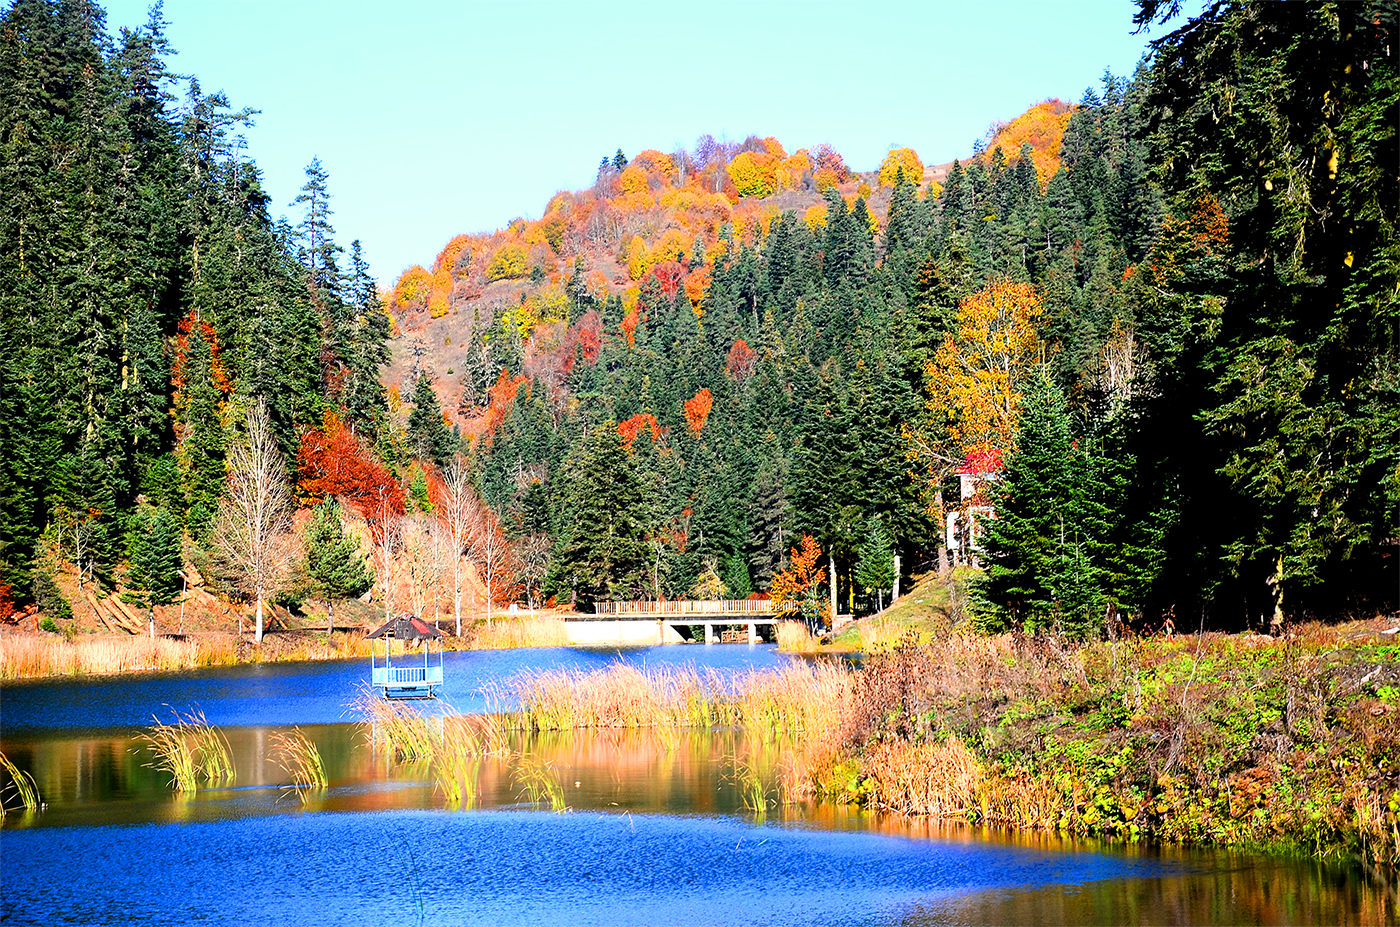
<point>794,637</point>
<point>752,790</point>
<point>301,760</point>
<point>23,657</point>
<point>407,734</point>
<point>522,632</point>
<point>464,741</point>
<point>878,634</point>
<point>795,699</point>
<point>539,784</point>
<point>21,784</point>
<point>190,749</point>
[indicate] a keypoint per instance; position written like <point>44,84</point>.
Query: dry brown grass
<point>522,632</point>
<point>798,698</point>
<point>794,637</point>
<point>879,634</point>
<point>23,657</point>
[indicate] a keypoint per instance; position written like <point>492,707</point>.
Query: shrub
<point>509,263</point>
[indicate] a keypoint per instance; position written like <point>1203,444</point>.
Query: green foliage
<point>875,569</point>
<point>154,557</point>
<point>334,562</point>
<point>428,434</point>
<point>50,598</point>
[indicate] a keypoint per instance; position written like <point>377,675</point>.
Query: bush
<point>48,625</point>
<point>49,599</point>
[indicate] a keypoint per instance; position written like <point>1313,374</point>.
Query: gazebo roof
<point>406,628</point>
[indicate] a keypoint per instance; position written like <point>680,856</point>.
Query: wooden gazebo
<point>406,679</point>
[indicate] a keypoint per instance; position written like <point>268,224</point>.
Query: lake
<point>656,828</point>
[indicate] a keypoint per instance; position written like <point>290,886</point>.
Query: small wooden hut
<point>408,678</point>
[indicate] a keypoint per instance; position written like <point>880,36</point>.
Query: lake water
<point>656,829</point>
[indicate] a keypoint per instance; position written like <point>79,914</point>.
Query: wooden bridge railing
<point>737,607</point>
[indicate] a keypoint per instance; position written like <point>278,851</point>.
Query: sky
<point>436,118</point>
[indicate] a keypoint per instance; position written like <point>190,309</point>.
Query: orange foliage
<point>741,361</point>
<point>629,327</point>
<point>190,324</point>
<point>628,429</point>
<point>975,378</point>
<point>1184,239</point>
<point>655,163</point>
<point>791,585</point>
<point>815,217</point>
<point>697,410</point>
<point>331,463</point>
<point>830,160</point>
<point>697,284</point>
<point>633,180</point>
<point>502,397</point>
<point>1043,128</point>
<point>753,173</point>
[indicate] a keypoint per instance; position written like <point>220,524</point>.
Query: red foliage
<point>630,428</point>
<point>586,334</point>
<point>332,464</point>
<point>629,327</point>
<point>742,361</point>
<point>8,612</point>
<point>502,397</point>
<point>697,410</point>
<point>191,325</point>
<point>670,275</point>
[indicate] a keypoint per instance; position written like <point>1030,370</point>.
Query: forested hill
<point>1164,317</point>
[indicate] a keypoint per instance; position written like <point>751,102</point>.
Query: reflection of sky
<point>509,867</point>
<point>316,693</point>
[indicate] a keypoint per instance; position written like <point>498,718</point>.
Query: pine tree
<point>428,434</point>
<point>334,561</point>
<point>875,568</point>
<point>154,557</point>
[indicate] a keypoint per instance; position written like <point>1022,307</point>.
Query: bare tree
<point>532,563</point>
<point>455,514</point>
<point>254,527</point>
<point>422,555</point>
<point>384,533</point>
<point>490,551</point>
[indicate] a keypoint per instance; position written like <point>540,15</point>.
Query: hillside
<point>637,214</point>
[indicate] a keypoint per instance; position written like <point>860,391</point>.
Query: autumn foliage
<point>974,379</point>
<point>741,361</point>
<point>332,464</point>
<point>629,428</point>
<point>697,410</point>
<point>794,588</point>
<point>906,159</point>
<point>1043,128</point>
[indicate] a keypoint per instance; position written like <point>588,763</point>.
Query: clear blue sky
<point>440,118</point>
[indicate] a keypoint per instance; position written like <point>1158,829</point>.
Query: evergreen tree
<point>428,434</point>
<point>875,568</point>
<point>334,562</point>
<point>154,557</point>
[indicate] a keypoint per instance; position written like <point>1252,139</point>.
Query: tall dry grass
<point>191,750</point>
<point>22,784</point>
<point>301,760</point>
<point>28,657</point>
<point>794,637</point>
<point>878,634</point>
<point>522,632</point>
<point>796,699</point>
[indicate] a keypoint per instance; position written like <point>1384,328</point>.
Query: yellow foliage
<point>629,297</point>
<point>799,163</point>
<point>534,234</point>
<point>825,179</point>
<point>974,379</point>
<point>633,180</point>
<point>437,305</point>
<point>863,190</point>
<point>680,200</point>
<point>414,287</point>
<point>933,190</point>
<point>815,217</point>
<point>673,242</point>
<point>898,158</point>
<point>510,262</point>
<point>1043,128</point>
<point>753,173</point>
<point>638,260</point>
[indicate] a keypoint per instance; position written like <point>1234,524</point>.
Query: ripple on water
<point>508,867</point>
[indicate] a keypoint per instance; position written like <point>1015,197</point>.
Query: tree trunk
<point>258,631</point>
<point>330,616</point>
<point>831,570</point>
<point>894,590</point>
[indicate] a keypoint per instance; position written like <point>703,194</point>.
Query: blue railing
<point>406,676</point>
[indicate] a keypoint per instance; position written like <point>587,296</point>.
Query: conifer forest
<point>1153,330</point>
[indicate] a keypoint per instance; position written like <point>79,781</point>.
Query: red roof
<point>981,462</point>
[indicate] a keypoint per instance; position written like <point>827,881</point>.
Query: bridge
<point>651,622</point>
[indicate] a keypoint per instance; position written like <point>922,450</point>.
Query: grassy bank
<point>1230,740</point>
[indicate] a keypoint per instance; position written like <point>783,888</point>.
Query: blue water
<point>509,867</point>
<point>318,693</point>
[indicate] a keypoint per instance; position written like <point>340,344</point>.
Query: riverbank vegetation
<point>1110,323</point>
